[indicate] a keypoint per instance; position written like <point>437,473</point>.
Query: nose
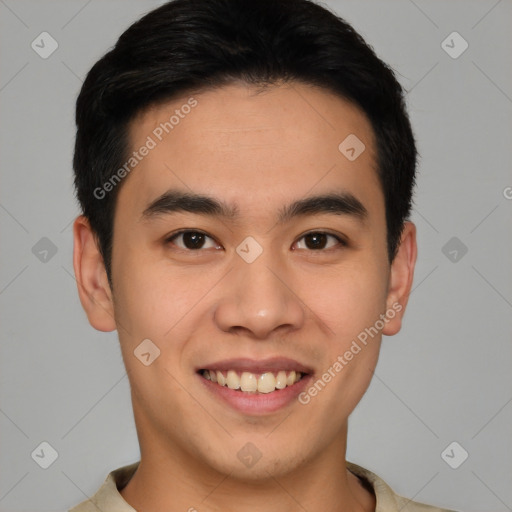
<point>258,299</point>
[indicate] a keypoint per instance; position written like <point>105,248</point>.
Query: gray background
<point>446,377</point>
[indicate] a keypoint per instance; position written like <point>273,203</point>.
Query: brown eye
<point>319,240</point>
<point>192,240</point>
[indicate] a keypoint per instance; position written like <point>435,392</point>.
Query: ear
<point>400,279</point>
<point>91,277</point>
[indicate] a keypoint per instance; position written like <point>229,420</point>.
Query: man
<point>245,171</point>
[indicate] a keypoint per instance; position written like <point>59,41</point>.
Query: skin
<point>259,152</point>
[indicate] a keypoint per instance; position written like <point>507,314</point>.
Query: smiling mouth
<point>248,382</point>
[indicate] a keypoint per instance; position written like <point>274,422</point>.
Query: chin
<point>255,461</point>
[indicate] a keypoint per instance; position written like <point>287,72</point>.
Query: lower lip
<point>257,403</point>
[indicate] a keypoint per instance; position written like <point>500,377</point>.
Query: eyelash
<point>340,240</point>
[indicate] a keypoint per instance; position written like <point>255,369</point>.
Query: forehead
<point>255,150</point>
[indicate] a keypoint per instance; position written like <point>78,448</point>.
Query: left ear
<point>91,277</point>
<point>400,279</point>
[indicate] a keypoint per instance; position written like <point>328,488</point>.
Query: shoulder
<point>108,497</point>
<point>386,499</point>
<point>406,505</point>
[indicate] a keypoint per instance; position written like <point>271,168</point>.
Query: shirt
<point>108,498</point>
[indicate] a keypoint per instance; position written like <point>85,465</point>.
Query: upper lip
<point>257,366</point>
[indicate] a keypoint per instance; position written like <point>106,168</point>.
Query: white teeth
<point>233,380</point>
<point>248,382</point>
<point>221,379</point>
<point>281,380</point>
<point>266,383</point>
<point>251,382</point>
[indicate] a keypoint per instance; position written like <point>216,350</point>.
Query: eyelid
<point>185,230</point>
<point>325,231</point>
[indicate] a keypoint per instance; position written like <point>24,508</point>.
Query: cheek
<point>151,298</point>
<point>347,299</point>
<point>152,303</point>
<point>348,305</point>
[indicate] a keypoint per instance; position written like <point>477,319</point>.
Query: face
<point>251,252</point>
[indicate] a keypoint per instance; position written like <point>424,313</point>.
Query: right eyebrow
<point>175,201</point>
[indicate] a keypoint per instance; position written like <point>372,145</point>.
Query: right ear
<point>91,277</point>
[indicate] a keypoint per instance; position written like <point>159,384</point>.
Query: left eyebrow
<point>172,201</point>
<point>335,203</point>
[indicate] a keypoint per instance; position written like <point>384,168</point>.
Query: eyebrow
<point>336,203</point>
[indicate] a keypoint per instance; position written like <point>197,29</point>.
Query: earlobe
<point>93,286</point>
<point>400,279</point>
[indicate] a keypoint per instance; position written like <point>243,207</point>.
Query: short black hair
<point>194,45</point>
